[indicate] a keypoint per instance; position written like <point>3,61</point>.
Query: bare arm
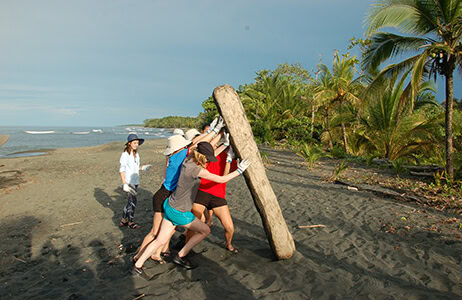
<point>219,150</point>
<point>216,178</point>
<point>122,175</point>
<point>227,168</point>
<point>216,139</point>
<point>205,137</point>
<point>166,165</point>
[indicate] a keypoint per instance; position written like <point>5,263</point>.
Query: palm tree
<point>393,132</point>
<point>338,87</point>
<point>270,101</point>
<point>434,30</point>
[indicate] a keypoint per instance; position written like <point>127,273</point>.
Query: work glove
<point>145,167</point>
<point>243,165</point>
<point>226,139</point>
<point>231,155</point>
<point>127,188</point>
<point>219,126</point>
<point>212,125</point>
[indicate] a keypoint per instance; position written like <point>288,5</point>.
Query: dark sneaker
<point>139,272</point>
<point>184,262</point>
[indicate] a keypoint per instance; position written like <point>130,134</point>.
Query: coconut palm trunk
<point>448,123</point>
<point>331,144</point>
<point>312,123</point>
<point>345,141</point>
<point>344,135</point>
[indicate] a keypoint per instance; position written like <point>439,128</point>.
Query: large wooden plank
<point>242,139</point>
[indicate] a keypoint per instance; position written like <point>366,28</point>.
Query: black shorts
<point>159,198</point>
<point>208,200</point>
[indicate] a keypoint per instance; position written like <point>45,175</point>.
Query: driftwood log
<point>243,142</point>
<point>422,174</point>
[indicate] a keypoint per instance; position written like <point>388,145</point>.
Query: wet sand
<point>60,236</point>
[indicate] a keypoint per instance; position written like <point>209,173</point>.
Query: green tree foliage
<point>430,32</point>
<point>390,113</point>
<point>173,122</point>
<point>335,90</point>
<point>210,110</point>
<point>271,101</point>
<point>389,131</point>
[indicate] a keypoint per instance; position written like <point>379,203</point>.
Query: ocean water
<point>69,137</point>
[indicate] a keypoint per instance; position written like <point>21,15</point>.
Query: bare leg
<point>165,232</point>
<point>202,231</point>
<point>165,248</point>
<point>208,217</point>
<point>156,221</point>
<point>224,216</point>
<point>198,211</point>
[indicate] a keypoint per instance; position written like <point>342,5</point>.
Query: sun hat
<point>191,133</point>
<point>207,149</point>
<point>178,131</point>
<point>132,137</point>
<point>176,142</point>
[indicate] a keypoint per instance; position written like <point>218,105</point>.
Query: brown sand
<point>3,138</point>
<point>61,240</point>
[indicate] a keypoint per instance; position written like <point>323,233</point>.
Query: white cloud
<point>15,107</point>
<point>25,88</point>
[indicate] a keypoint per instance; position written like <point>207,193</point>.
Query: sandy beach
<point>61,240</point>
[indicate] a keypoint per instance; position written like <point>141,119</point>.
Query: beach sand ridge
<point>60,236</point>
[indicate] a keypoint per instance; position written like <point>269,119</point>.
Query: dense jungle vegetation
<point>364,107</point>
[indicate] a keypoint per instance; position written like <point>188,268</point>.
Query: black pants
<point>129,209</point>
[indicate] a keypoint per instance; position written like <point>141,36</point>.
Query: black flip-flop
<point>160,261</point>
<point>133,225</point>
<point>234,251</point>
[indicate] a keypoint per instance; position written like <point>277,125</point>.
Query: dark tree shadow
<point>53,272</point>
<point>132,238</point>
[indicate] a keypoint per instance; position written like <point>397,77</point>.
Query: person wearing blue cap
<point>130,174</point>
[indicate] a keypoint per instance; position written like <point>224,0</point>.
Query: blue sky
<point>104,63</point>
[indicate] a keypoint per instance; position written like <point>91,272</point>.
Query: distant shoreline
<point>22,143</point>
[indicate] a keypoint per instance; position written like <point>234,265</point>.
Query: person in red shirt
<point>211,195</point>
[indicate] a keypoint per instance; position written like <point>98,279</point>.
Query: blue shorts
<point>177,217</point>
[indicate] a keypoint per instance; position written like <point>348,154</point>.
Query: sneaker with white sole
<point>184,262</point>
<point>139,272</point>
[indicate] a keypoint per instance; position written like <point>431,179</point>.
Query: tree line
<point>365,106</point>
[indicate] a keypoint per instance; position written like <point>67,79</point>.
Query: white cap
<point>178,131</point>
<point>191,133</point>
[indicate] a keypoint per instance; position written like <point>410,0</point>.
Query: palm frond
<point>385,45</point>
<point>390,72</point>
<point>406,15</point>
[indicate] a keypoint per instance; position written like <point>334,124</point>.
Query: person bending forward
<point>178,206</point>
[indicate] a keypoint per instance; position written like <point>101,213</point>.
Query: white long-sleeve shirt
<point>130,165</point>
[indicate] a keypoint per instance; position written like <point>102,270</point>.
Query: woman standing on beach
<point>176,152</point>
<point>211,196</point>
<point>177,208</point>
<point>130,174</point>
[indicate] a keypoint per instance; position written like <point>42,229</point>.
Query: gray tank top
<point>183,197</point>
